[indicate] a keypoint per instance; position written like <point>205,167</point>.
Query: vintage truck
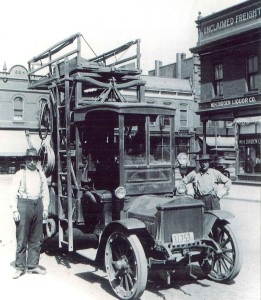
<point>111,172</point>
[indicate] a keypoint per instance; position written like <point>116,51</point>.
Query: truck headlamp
<point>120,192</point>
<point>181,189</point>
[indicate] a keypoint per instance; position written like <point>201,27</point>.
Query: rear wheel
<point>224,265</point>
<point>126,265</point>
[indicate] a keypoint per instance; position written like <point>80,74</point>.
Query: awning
<point>247,120</point>
<point>14,142</point>
<point>220,141</point>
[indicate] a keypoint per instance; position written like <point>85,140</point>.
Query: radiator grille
<point>181,220</point>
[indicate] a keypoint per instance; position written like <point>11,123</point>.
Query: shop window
<point>183,114</point>
<point>249,154</point>
<point>166,121</point>
<point>252,70</point>
<point>18,109</point>
<point>218,80</point>
<point>209,123</point>
<point>182,145</point>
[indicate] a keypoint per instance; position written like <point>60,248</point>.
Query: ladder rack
<point>73,82</point>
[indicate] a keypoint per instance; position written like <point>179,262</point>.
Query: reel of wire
<point>47,156</point>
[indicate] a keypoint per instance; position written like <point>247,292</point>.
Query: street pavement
<point>71,276</point>
<point>244,192</point>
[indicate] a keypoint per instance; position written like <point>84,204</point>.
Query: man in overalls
<point>205,183</point>
<point>29,204</point>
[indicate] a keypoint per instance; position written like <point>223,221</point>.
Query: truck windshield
<point>139,150</point>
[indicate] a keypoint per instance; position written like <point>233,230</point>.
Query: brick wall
<point>234,68</point>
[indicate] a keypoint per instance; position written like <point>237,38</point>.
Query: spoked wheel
<point>45,122</point>
<point>224,265</point>
<point>126,265</point>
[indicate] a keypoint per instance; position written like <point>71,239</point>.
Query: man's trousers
<point>29,233</point>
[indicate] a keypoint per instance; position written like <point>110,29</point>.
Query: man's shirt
<point>29,184</point>
<point>207,183</point>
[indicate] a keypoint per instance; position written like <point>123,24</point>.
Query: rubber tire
<point>126,265</point>
<point>51,228</point>
<point>232,261</point>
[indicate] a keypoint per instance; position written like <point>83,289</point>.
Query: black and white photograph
<point>130,150</point>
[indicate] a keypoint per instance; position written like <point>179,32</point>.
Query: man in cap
<point>205,183</point>
<point>29,204</point>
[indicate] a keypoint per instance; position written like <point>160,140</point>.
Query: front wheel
<point>223,265</point>
<point>126,265</point>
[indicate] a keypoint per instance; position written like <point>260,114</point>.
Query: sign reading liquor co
<point>241,101</point>
<point>251,140</point>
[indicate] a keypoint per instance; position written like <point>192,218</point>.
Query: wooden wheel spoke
<point>225,242</point>
<point>219,267</point>
<point>130,280</point>
<point>227,258</point>
<point>127,287</point>
<point>224,265</point>
<point>121,282</point>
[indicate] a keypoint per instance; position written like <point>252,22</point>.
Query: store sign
<point>249,141</point>
<point>183,131</point>
<point>241,101</point>
<point>231,21</point>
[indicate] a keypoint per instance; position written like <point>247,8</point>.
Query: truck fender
<point>211,216</point>
<point>131,225</point>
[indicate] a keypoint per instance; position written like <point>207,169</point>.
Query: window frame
<point>180,115</point>
<point>251,74</point>
<point>218,79</point>
<point>18,109</point>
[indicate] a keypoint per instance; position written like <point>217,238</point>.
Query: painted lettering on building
<point>230,102</point>
<point>232,20</point>
<point>249,141</point>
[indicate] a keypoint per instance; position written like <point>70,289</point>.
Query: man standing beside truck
<point>205,183</point>
<point>29,203</point>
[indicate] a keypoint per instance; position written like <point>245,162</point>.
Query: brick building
<point>229,44</point>
<point>18,117</point>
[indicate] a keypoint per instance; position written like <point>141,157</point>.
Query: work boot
<point>17,274</point>
<point>36,270</point>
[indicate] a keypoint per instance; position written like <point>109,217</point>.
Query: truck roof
<point>124,108</point>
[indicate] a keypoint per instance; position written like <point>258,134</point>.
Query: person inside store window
<point>206,184</point>
<point>250,164</point>
<point>258,164</point>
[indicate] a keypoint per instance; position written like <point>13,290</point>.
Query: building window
<point>18,109</point>
<point>252,69</point>
<point>166,121</point>
<point>218,80</point>
<point>183,114</point>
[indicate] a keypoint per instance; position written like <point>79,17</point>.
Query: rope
<point>132,43</point>
<point>89,45</point>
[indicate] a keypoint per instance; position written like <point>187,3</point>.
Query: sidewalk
<point>245,192</point>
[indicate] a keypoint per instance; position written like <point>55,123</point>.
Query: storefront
<point>248,132</point>
<point>247,128</point>
<point>13,147</point>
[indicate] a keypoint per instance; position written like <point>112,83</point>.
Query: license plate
<point>182,238</point>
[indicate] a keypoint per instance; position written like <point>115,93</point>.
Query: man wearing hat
<point>205,183</point>
<point>29,204</point>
